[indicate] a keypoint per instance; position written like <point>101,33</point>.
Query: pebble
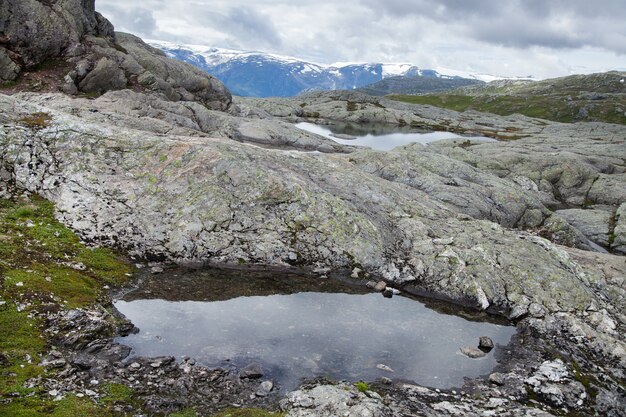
<point>156,269</point>
<point>79,266</point>
<point>485,342</point>
<point>380,286</point>
<point>356,272</point>
<point>497,378</point>
<point>265,388</point>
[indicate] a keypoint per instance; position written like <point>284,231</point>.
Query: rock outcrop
<point>194,199</point>
<point>91,58</point>
<point>431,219</point>
<point>558,166</point>
<point>32,31</point>
<point>159,170</point>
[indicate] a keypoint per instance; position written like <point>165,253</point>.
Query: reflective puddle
<point>298,327</point>
<point>381,137</point>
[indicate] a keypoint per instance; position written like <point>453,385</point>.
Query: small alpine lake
<point>298,327</point>
<point>379,136</point>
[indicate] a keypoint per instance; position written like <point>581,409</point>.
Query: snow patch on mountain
<point>260,74</point>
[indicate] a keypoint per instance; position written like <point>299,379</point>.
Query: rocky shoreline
<point>537,376</point>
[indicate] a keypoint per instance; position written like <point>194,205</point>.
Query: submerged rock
<point>251,371</point>
<point>472,352</point>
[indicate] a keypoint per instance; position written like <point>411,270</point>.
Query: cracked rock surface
<point>189,197</point>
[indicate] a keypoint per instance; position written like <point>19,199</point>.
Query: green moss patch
<point>556,107</point>
<point>36,121</point>
<point>44,265</point>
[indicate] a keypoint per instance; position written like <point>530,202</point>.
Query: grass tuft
<point>36,121</point>
<point>362,386</point>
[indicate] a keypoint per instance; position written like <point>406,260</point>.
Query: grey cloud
<point>522,34</point>
<point>130,19</point>
<point>245,24</point>
<point>520,24</point>
<point>512,37</point>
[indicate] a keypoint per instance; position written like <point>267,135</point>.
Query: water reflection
<point>307,334</point>
<point>381,137</point>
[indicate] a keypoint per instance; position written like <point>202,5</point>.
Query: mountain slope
<point>593,97</point>
<point>256,74</point>
<point>417,84</point>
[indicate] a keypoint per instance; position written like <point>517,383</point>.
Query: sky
<point>540,38</point>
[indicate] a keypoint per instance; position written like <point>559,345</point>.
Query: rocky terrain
<point>153,158</point>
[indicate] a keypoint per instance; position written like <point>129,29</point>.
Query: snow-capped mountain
<point>260,74</point>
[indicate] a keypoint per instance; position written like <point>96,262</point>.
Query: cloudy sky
<point>543,38</point>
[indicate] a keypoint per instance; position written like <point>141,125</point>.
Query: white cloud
<point>516,37</point>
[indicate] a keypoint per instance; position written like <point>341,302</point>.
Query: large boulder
<point>32,31</point>
<point>592,223</point>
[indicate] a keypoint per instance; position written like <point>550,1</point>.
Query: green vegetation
<point>120,48</point>
<point>51,64</point>
<point>39,120</point>
<point>44,267</point>
<point>8,84</point>
<point>362,386</point>
<point>596,97</point>
<point>351,106</point>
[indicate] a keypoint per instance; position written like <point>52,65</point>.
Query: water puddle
<point>300,327</point>
<point>381,137</point>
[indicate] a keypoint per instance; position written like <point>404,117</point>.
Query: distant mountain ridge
<point>258,74</point>
<point>405,84</point>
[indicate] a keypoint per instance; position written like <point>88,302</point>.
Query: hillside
<point>417,84</point>
<point>594,97</point>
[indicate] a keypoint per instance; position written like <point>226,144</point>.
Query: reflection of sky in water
<point>307,334</point>
<point>386,141</point>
